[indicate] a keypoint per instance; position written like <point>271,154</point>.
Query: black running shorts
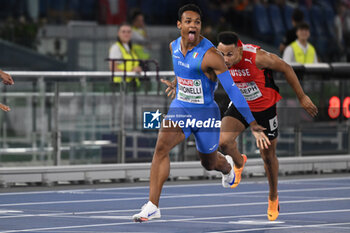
<point>266,118</point>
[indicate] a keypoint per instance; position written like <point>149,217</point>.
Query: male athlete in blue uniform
<point>197,65</point>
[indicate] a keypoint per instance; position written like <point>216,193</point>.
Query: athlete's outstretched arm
<point>214,60</point>
<point>273,62</point>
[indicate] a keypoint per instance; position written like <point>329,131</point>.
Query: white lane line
<point>299,181</point>
<point>284,227</point>
<point>10,211</point>
<point>90,231</point>
<point>336,227</point>
<point>110,189</point>
<point>174,208</point>
<point>315,179</point>
<point>128,217</point>
<point>98,192</point>
<point>172,196</point>
<point>67,227</point>
<point>257,222</point>
<point>182,220</point>
<point>240,222</point>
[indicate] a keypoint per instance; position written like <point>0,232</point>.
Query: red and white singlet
<point>257,86</point>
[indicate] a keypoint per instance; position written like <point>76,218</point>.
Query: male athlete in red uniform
<point>251,69</point>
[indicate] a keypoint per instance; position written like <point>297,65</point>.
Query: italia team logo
<point>151,120</point>
<point>195,54</point>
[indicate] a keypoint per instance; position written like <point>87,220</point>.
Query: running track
<point>307,205</point>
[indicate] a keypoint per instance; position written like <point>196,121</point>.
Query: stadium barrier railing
<point>73,118</point>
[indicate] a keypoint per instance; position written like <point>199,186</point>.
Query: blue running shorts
<point>201,120</point>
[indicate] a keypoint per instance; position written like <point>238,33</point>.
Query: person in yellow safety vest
<point>123,49</point>
<point>301,51</point>
<point>139,35</point>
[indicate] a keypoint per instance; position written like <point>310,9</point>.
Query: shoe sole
<point>141,219</point>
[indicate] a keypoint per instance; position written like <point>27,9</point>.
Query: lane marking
<point>175,208</point>
<point>285,227</point>
<point>98,192</point>
<point>176,186</point>
<point>172,196</point>
<point>190,219</point>
<point>128,217</point>
<point>68,227</point>
<point>257,222</point>
<point>10,211</point>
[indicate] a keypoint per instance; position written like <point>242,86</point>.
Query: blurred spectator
<point>21,31</point>
<point>240,5</point>
<point>139,35</point>
<point>215,10</point>
<point>292,3</point>
<point>33,9</point>
<point>112,11</point>
<point>58,12</point>
<point>209,33</point>
<point>342,27</point>
<point>306,3</point>
<point>301,51</point>
<point>291,35</point>
<point>123,49</point>
<point>240,15</point>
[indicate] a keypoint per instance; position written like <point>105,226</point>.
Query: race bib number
<point>190,90</point>
<point>250,91</point>
<point>273,123</point>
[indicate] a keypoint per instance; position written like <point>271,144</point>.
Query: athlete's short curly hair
<point>228,38</point>
<point>189,7</point>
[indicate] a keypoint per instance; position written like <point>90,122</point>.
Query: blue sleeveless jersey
<point>194,88</point>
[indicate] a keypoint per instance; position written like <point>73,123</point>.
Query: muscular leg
<point>230,129</point>
<point>167,139</point>
<point>271,168</point>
